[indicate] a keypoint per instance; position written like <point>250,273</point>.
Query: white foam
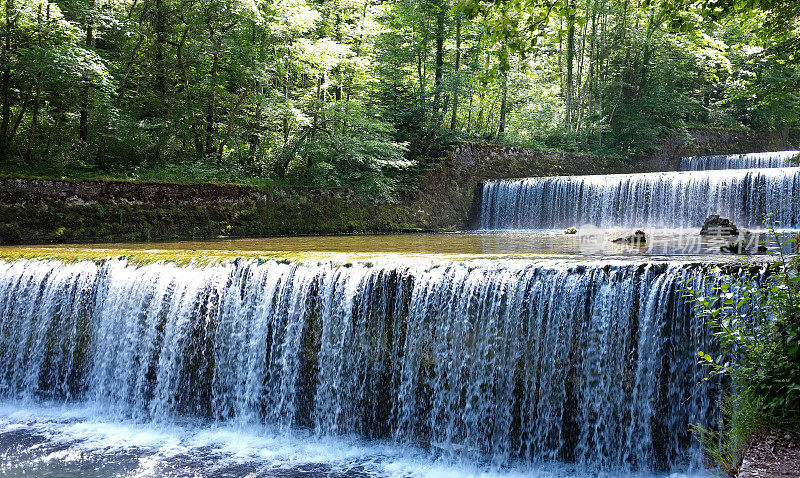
<point>83,433</point>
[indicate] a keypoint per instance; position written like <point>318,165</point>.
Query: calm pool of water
<point>588,241</point>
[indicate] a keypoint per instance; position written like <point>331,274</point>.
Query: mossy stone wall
<point>40,211</point>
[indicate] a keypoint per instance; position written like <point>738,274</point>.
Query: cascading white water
<point>493,361</point>
<point>776,159</point>
<point>663,200</point>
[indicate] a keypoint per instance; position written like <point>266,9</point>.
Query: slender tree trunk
<point>457,86</point>
<point>25,101</point>
<point>647,55</point>
<point>212,95</point>
<point>38,94</point>
<point>469,112</point>
<point>286,115</point>
<point>255,134</point>
<point>501,130</point>
<point>193,122</point>
<point>161,75</point>
<point>5,124</point>
<point>282,164</point>
<point>83,125</point>
<point>421,76</point>
<point>229,130</point>
<point>121,90</point>
<point>439,68</point>
<point>570,55</point>
<point>315,121</point>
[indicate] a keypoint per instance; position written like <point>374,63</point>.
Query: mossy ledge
<point>140,256</point>
<point>64,211</point>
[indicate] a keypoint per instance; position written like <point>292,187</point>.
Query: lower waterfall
<point>777,159</point>
<point>662,200</point>
<point>493,361</point>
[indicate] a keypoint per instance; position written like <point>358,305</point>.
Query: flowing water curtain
<point>669,200</point>
<point>777,159</point>
<point>45,311</point>
<point>493,361</point>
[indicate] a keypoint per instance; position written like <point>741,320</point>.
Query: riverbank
<point>42,210</point>
<point>772,455</point>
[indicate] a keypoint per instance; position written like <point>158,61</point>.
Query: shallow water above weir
<point>589,241</point>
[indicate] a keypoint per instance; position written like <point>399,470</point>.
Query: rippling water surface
<point>589,240</point>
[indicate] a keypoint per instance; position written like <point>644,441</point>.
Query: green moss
<point>58,221</point>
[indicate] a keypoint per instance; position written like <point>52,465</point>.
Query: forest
<point>366,93</point>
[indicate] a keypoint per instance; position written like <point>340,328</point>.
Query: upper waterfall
<point>496,361</point>
<point>668,200</point>
<point>776,159</point>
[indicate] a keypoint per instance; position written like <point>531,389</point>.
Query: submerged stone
<point>638,237</point>
<point>714,225</point>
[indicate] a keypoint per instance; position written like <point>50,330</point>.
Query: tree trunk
<point>421,76</point>
<point>469,112</point>
<point>38,94</point>
<point>231,119</point>
<point>193,123</point>
<point>315,121</point>
<point>212,95</point>
<point>6,81</point>
<point>439,71</point>
<point>501,130</point>
<point>123,86</point>
<point>454,118</point>
<point>255,133</point>
<point>83,126</point>
<point>570,55</point>
<point>161,75</point>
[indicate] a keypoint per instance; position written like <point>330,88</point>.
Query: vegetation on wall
<point>366,92</point>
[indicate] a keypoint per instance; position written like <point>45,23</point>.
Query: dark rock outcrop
<point>637,238</point>
<point>736,247</point>
<point>718,226</point>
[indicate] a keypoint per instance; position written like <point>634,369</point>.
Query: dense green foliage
<point>356,92</point>
<point>757,322</point>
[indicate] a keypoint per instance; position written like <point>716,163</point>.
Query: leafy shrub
<point>757,323</point>
<point>352,148</point>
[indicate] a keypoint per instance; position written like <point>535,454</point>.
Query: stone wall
<point>43,210</point>
<point>40,210</point>
<point>449,194</point>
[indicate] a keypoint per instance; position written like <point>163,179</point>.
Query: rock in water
<point>571,230</point>
<point>637,237</point>
<point>736,247</point>
<point>718,226</point>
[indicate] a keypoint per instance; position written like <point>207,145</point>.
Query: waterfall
<point>777,159</point>
<point>523,361</point>
<point>668,200</point>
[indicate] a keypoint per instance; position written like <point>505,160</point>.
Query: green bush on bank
<point>757,324</point>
